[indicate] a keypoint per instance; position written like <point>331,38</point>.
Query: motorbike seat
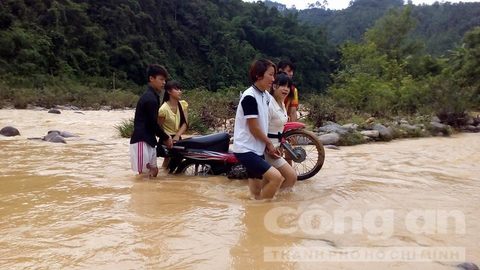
<point>215,142</point>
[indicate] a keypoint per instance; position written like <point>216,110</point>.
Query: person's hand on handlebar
<point>168,142</point>
<point>272,151</point>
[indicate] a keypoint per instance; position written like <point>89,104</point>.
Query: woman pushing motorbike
<point>250,133</point>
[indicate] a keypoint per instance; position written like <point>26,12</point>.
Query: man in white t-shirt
<point>250,133</point>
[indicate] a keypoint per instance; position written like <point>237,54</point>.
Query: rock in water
<point>54,137</point>
<point>468,266</point>
<point>9,131</point>
<point>64,134</point>
<point>67,134</point>
<point>55,111</point>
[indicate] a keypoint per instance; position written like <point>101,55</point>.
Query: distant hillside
<point>349,23</point>
<point>440,26</point>
<point>207,43</point>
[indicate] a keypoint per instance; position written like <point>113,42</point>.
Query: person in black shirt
<point>143,155</point>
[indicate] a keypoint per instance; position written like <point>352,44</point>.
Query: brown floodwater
<point>79,206</point>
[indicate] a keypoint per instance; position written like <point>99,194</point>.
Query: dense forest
<point>207,43</point>
<point>439,26</point>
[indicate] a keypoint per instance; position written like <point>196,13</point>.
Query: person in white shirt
<point>277,115</point>
<point>250,140</point>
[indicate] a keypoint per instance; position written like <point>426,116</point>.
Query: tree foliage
<point>388,73</point>
<point>440,26</point>
<point>203,43</point>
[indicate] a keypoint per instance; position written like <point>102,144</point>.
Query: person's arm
<point>292,107</point>
<point>162,115</point>
<point>250,110</point>
<point>185,112</point>
<point>292,114</point>
<point>161,120</point>
<point>183,128</point>
<point>180,132</point>
<point>254,128</point>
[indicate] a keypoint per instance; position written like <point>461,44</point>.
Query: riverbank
<point>373,130</point>
<point>331,133</point>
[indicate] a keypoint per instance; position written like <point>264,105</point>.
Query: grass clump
<point>351,138</point>
<point>125,128</point>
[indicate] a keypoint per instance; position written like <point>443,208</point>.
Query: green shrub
<point>120,99</point>
<point>351,138</point>
<point>125,128</point>
<point>208,110</point>
<point>321,109</point>
<point>195,123</point>
<point>22,97</point>
<point>399,132</point>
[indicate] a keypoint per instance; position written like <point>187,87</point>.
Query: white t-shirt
<point>253,104</point>
<point>277,115</point>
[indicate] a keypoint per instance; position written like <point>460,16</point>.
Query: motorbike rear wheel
<point>191,168</point>
<point>310,150</point>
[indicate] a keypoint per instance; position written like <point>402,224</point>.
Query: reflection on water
<point>78,205</point>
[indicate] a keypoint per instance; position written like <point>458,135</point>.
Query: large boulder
<point>476,120</point>
<point>439,128</point>
<point>331,138</point>
<point>332,127</point>
<point>386,133</point>
<point>374,134</point>
<point>436,119</point>
<point>9,131</point>
<point>471,128</point>
<point>409,127</point>
<point>350,127</point>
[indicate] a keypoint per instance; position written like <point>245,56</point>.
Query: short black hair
<point>282,79</point>
<point>286,63</point>
<point>172,85</point>
<point>154,70</point>
<point>258,69</point>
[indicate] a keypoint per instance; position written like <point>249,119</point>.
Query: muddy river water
<point>407,204</point>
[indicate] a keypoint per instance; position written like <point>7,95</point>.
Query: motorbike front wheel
<point>309,151</point>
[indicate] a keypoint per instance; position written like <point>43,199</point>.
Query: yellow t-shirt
<point>172,119</point>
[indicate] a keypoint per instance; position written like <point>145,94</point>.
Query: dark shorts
<point>256,165</point>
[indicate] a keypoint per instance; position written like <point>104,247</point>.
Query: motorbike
<point>210,155</point>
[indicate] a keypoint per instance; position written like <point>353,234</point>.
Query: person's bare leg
<point>255,186</point>
<point>273,180</point>
<point>288,158</point>
<point>289,174</point>
<point>165,162</point>
<point>152,171</point>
